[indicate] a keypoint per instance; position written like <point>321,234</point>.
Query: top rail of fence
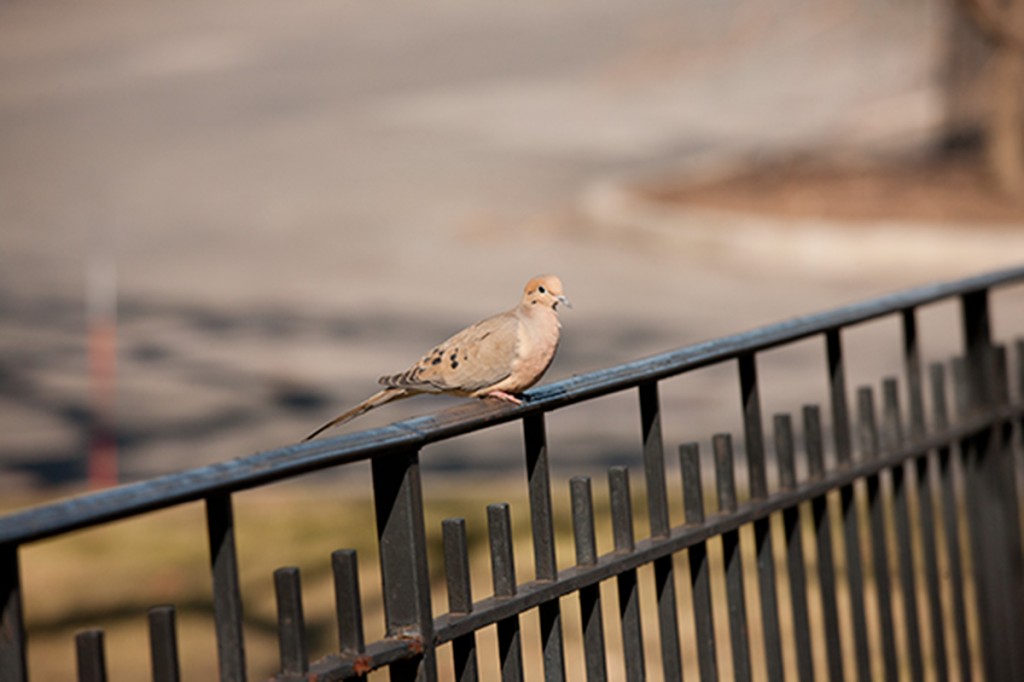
<point>274,465</point>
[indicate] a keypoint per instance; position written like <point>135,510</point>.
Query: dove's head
<point>545,290</point>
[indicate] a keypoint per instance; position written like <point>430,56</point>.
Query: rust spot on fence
<point>362,665</point>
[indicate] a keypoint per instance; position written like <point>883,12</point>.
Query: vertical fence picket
<point>870,449</point>
<point>738,634</point>
<point>657,506</point>
<point>928,492</point>
<point>814,447</point>
<point>503,572</point>
<point>926,471</point>
<point>227,597</point>
<point>629,597</point>
<point>291,624</point>
<point>794,547</point>
<point>960,389</point>
<point>855,580</point>
<point>401,538</point>
<point>753,432</point>
<point>460,595</point>
<point>12,623</point>
<point>951,517</point>
<point>700,577</point>
<point>1019,355</point>
<point>848,503</point>
<point>902,477</point>
<point>927,475</point>
<point>92,664</point>
<point>837,391</point>
<point>348,604</point>
<point>542,525</point>
<point>163,644</point>
<point>912,369</point>
<point>590,595</point>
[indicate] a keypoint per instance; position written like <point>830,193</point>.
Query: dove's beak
<point>562,300</point>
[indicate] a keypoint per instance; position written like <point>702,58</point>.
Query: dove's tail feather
<point>376,400</point>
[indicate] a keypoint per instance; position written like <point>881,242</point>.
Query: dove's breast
<point>538,341</point>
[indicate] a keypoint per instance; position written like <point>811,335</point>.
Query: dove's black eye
<point>542,290</point>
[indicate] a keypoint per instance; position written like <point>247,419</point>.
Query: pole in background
<point>101,312</point>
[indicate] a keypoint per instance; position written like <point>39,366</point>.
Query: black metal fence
<point>909,476</point>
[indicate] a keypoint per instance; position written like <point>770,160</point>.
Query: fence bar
<point>657,510</point>
<point>499,526</point>
<point>542,525</point>
<point>654,459</point>
<point>163,644</point>
<point>590,595</point>
<point>456,565</point>
<point>700,577</point>
<point>1019,354</point>
<point>227,598</point>
<point>398,501</point>
<point>794,547</point>
<point>902,477</point>
<point>994,513</point>
<point>848,503</point>
<point>927,476</point>
<point>855,580</point>
<point>912,368</point>
<point>837,389</point>
<point>541,517</point>
<point>503,573</point>
<point>629,598</point>
<point>814,447</point>
<point>739,637</point>
<point>754,438</point>
<point>12,620</point>
<point>752,429</point>
<point>998,368</point>
<point>460,595</point>
<point>951,516</point>
<point>291,625</point>
<point>870,450</point>
<point>92,664</point>
<point>929,491</point>
<point>919,470</point>
<point>348,607</point>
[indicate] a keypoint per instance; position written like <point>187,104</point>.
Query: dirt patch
<point>951,188</point>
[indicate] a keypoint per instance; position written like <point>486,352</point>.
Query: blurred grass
<point>108,577</point>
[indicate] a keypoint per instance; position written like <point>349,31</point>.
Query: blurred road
<point>302,196</point>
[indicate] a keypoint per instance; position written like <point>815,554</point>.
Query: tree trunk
<point>966,53</point>
<point>1005,148</point>
<point>1001,22</point>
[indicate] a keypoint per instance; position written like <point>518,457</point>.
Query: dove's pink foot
<point>507,397</point>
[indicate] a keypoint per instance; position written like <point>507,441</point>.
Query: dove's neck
<point>540,315</point>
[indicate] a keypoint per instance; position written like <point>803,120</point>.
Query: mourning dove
<point>495,358</point>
